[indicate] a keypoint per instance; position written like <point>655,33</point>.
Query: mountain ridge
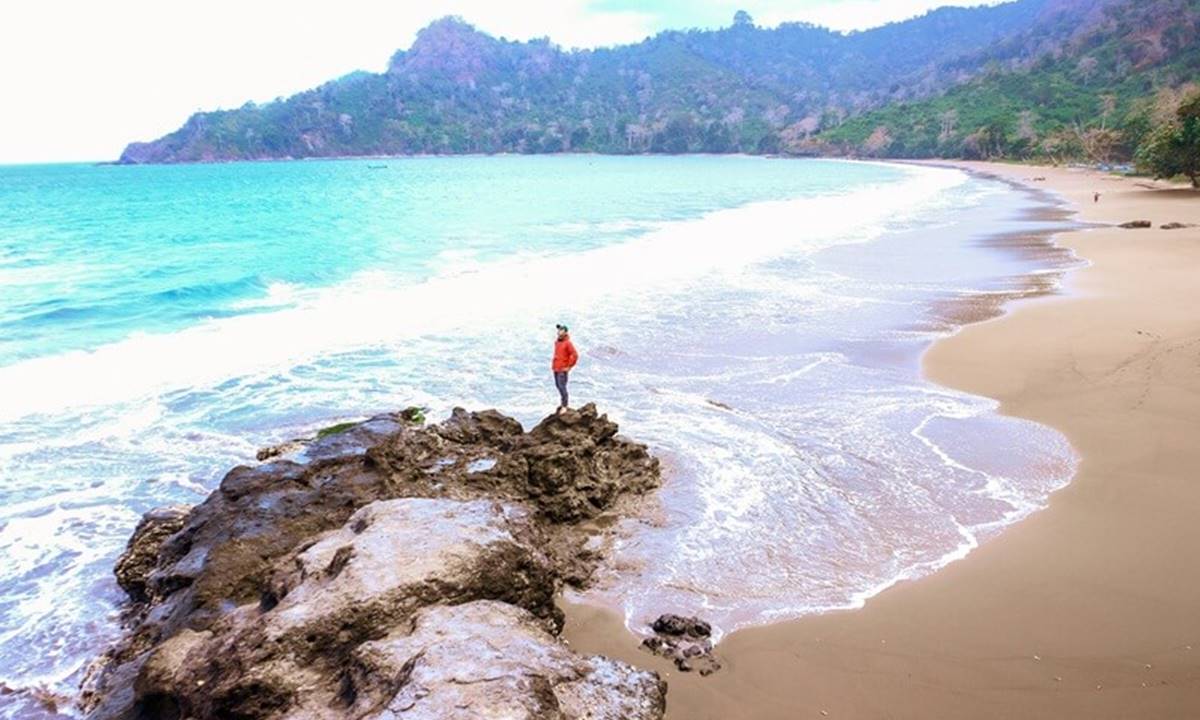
<point>736,89</point>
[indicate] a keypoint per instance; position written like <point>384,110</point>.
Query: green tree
<point>580,137</point>
<point>1173,147</point>
<point>675,137</point>
<point>717,138</point>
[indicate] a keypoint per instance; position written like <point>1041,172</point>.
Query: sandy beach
<point>1088,609</point>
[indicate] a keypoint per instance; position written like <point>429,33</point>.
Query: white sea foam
<point>279,294</point>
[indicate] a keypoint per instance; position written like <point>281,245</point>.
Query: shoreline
<point>171,484</point>
<point>946,317</point>
<point>1063,615</point>
<point>1049,216</point>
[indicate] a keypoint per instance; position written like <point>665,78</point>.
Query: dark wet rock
<point>258,599</point>
<point>134,566</point>
<point>1176,226</point>
<point>1136,224</point>
<point>678,625</point>
<point>684,640</point>
<point>487,427</point>
<point>244,481</point>
<point>342,442</point>
<point>344,439</point>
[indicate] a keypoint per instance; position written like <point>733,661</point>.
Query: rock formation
<point>140,557</point>
<point>388,570</point>
<point>448,670</point>
<point>685,640</point>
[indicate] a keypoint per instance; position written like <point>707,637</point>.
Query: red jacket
<point>565,356</point>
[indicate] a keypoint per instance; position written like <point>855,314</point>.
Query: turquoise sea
<point>758,322</point>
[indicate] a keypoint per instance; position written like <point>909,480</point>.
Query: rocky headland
<point>391,569</point>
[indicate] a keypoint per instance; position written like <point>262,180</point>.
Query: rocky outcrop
<point>522,671</point>
<point>1136,225</point>
<point>354,585</point>
<point>687,641</point>
<point>386,570</point>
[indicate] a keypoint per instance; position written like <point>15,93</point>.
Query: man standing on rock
<point>565,358</point>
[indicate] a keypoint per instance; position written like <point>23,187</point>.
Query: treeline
<point>1171,144</point>
<point>1159,133</point>
<point>742,88</point>
<point>1050,80</point>
<point>1119,93</point>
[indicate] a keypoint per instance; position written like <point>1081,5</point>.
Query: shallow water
<point>812,465</point>
<point>758,322</point>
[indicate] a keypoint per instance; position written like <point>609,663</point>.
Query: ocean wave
<point>375,307</point>
<point>754,348</point>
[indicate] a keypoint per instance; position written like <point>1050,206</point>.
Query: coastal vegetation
<point>1172,144</point>
<point>1051,80</point>
<point>1112,94</point>
<point>334,429</point>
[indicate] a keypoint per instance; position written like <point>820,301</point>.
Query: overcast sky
<point>81,78</point>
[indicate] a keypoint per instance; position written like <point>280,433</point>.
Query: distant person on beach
<point>1096,197</point>
<point>565,358</point>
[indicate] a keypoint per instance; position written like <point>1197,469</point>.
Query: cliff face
<point>739,89</point>
<point>389,570</point>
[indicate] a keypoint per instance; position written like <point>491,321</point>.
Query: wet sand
<point>1088,609</point>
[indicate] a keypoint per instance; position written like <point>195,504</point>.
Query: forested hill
<point>796,88</point>
<point>1097,97</point>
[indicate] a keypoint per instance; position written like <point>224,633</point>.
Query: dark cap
<point>562,327</point>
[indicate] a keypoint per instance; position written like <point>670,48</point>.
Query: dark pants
<point>560,382</point>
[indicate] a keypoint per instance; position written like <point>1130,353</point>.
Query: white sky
<point>81,78</point>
